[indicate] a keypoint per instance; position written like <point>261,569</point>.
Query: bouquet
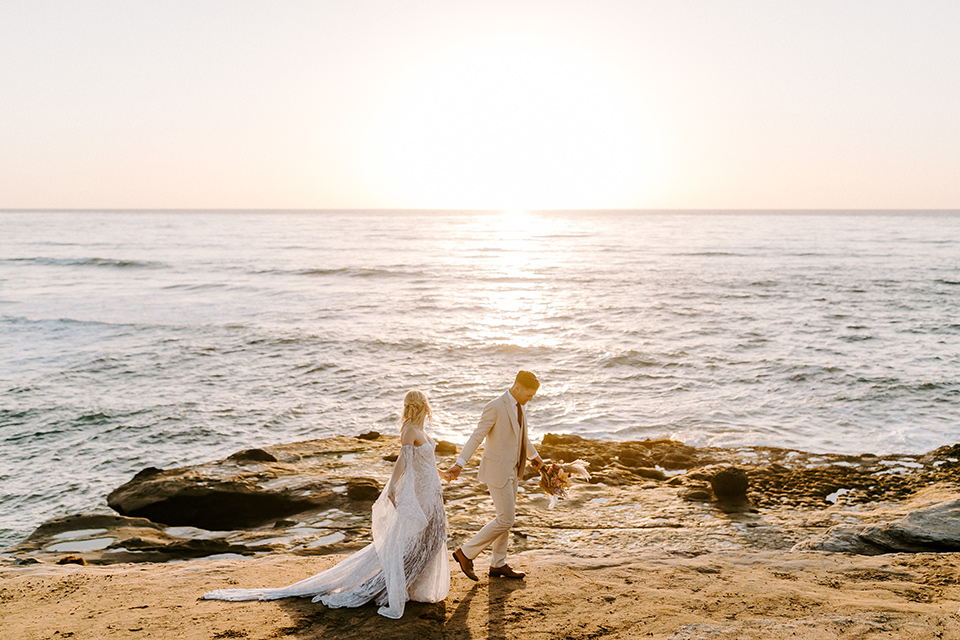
<point>555,478</point>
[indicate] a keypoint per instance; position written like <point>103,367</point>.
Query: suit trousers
<point>497,531</point>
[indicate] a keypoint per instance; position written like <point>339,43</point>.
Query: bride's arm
<point>407,437</point>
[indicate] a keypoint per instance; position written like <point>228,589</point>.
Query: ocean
<point>155,338</point>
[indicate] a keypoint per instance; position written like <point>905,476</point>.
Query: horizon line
<point>719,210</point>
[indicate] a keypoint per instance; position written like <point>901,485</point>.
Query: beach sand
<point>568,594</point>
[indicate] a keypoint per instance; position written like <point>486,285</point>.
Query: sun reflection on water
<point>517,297</point>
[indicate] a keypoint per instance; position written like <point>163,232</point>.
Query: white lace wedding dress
<point>407,559</point>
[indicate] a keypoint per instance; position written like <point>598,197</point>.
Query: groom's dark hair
<point>528,380</point>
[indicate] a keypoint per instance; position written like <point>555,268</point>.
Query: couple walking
<point>408,557</point>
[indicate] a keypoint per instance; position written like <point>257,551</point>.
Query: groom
<point>505,454</point>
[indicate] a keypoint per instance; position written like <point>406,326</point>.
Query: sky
<point>447,104</point>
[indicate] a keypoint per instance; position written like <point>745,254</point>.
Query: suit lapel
<point>511,412</point>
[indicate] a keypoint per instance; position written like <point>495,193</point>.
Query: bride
<point>408,557</point>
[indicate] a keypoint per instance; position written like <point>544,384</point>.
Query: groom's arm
<point>487,419</point>
<point>533,455</point>
<point>535,459</point>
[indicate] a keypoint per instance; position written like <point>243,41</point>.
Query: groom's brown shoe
<point>466,564</point>
<point>506,572</point>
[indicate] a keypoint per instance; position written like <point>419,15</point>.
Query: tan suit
<point>501,430</point>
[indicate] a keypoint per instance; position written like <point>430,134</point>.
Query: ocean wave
<point>353,272</point>
<point>897,387</point>
<point>708,254</point>
<point>350,272</point>
<point>73,322</point>
<point>509,279</point>
<point>198,287</point>
<point>97,417</point>
<point>810,373</point>
<point>92,262</point>
<point>15,416</point>
<point>629,358</point>
<point>315,368</point>
<point>564,236</point>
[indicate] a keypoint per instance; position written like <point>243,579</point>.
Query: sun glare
<point>515,301</point>
<point>513,123</point>
<point>516,217</point>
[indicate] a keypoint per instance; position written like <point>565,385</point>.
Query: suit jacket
<point>499,427</point>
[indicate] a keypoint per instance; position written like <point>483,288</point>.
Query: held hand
<point>537,463</point>
<point>451,474</point>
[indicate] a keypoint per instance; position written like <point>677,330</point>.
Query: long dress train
<point>407,559</point>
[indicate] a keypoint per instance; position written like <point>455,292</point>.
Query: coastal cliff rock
<point>249,488</point>
<point>931,529</point>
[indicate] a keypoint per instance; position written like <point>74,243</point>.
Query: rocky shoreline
<point>313,498</point>
<point>655,506</point>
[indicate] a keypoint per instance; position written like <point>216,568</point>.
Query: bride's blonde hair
<point>416,408</point>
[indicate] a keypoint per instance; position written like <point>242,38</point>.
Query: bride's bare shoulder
<point>412,435</point>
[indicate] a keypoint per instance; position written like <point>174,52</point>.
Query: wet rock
<point>167,547</point>
<point>278,482</point>
<point>563,454</point>
<point>58,527</point>
<point>555,439</point>
<point>612,477</point>
<point>596,462</point>
<point>674,455</point>
<point>696,495</point>
<point>676,461</point>
<point>146,473</point>
<point>104,539</point>
<point>22,562</point>
<point>633,458</point>
<point>252,455</point>
<point>935,528</point>
<point>949,451</point>
<point>730,485</point>
<point>231,503</point>
<point>932,529</point>
<point>369,435</point>
<point>840,539</point>
<point>445,448</point>
<point>363,489</point>
<point>653,474</point>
